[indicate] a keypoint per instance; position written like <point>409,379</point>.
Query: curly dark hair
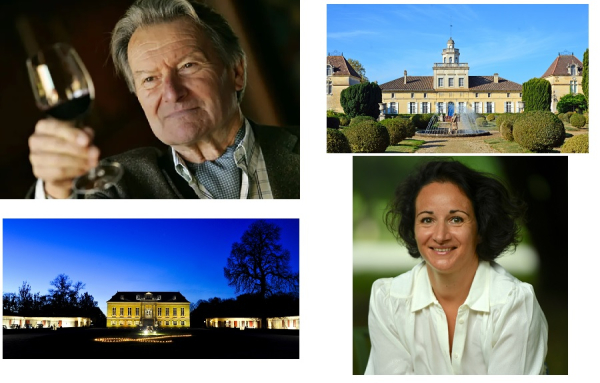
<point>499,214</point>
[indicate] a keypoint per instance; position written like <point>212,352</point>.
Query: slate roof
<point>425,83</point>
<point>341,66</point>
<point>560,66</point>
<point>165,296</point>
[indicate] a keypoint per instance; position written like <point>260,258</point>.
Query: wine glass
<point>64,90</point>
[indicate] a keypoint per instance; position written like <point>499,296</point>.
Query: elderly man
<point>186,67</point>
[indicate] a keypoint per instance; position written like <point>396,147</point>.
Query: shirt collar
<point>241,155</point>
<point>478,298</point>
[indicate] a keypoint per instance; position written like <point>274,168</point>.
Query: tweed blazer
<point>150,172</point>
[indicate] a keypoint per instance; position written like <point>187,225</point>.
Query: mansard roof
<point>158,296</point>
<point>425,83</point>
<point>560,66</point>
<point>341,66</point>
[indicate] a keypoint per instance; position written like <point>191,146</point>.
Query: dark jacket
<point>150,172</point>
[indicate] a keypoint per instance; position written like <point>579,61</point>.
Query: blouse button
<point>461,321</point>
<point>456,356</point>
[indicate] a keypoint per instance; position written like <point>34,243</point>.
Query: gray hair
<point>149,12</point>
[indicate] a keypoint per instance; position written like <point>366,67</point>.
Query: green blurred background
<point>540,260</point>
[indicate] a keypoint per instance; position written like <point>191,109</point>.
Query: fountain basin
<point>446,132</point>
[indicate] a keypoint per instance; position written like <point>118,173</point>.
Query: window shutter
<point>493,105</point>
<point>429,107</point>
<point>408,107</point>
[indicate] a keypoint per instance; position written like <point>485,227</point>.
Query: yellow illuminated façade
<point>159,309</point>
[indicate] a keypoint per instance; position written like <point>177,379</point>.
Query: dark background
<point>269,31</point>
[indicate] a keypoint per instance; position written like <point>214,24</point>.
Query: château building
<point>136,308</point>
<point>451,89</point>
<point>340,75</point>
<point>565,74</point>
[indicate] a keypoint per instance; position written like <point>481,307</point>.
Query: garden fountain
<point>464,127</point>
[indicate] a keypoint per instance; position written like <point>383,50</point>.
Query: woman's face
<point>445,227</point>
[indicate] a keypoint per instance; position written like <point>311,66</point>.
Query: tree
<point>259,265</point>
<point>537,94</point>
<point>64,295</point>
<point>361,100</point>
<point>10,303</point>
<point>571,103</point>
<point>359,69</point>
<point>586,80</point>
<point>25,299</point>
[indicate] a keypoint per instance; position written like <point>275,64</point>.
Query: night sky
<point>185,255</point>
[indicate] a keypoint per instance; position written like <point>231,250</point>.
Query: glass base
<point>100,178</point>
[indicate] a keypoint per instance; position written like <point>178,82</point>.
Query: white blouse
<point>500,329</point>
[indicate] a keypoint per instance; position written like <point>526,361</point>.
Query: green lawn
<point>407,146</point>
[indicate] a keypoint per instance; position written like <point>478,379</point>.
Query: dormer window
<point>137,297</point>
<point>329,70</point>
<point>122,297</point>
<point>573,70</point>
<point>158,298</point>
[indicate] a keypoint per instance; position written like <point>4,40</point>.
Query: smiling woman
<point>457,312</point>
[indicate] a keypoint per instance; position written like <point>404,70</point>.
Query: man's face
<point>186,91</point>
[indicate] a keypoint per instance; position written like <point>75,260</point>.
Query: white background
<point>325,213</point>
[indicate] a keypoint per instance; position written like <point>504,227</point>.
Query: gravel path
<point>457,145</point>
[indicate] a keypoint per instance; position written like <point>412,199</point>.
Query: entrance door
<point>450,109</point>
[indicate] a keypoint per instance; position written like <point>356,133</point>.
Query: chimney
<point>405,76</point>
<point>495,78</point>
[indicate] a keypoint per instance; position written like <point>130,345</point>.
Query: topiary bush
<point>367,137</point>
<point>333,122</point>
<point>577,144</point>
<point>344,120</point>
<point>480,122</point>
<point>587,117</point>
<point>490,117</point>
<point>337,142</point>
<point>539,131</point>
<point>577,120</point>
<point>361,99</point>
<point>561,116</point>
<point>506,130</point>
<point>359,119</point>
<point>411,127</point>
<point>500,118</point>
<point>398,129</point>
<point>568,116</point>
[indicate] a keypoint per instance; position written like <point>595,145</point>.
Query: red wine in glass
<point>64,89</point>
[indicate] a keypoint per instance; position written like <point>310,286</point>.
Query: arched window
<point>450,60</point>
<point>572,70</point>
<point>329,70</point>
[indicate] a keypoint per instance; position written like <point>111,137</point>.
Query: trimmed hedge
<point>506,130</point>
<point>501,118</point>
<point>537,94</point>
<point>368,137</point>
<point>359,119</point>
<point>539,131</point>
<point>420,121</point>
<point>337,142</point>
<point>577,144</point>
<point>344,120</point>
<point>480,122</point>
<point>361,99</point>
<point>577,120</point>
<point>398,129</point>
<point>490,117</point>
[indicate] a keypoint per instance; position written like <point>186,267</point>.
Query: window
<point>450,60</point>
<point>440,81</point>
<point>393,95</point>
<point>461,107</point>
<point>520,94</point>
<point>574,86</point>
<point>393,109</point>
<point>424,107</point>
<point>174,311</point>
<point>440,107</point>
<point>182,312</point>
<point>137,297</point>
<point>128,311</point>
<point>166,323</point>
<point>412,95</point>
<point>444,60</point>
<point>329,70</point>
<point>508,107</point>
<point>167,311</point>
<point>507,94</point>
<point>183,323</point>
<point>572,70</point>
<point>489,107</point>
<point>114,323</point>
<point>489,95</point>
<point>476,94</point>
<point>329,87</point>
<point>121,311</point>
<point>114,311</point>
<point>424,95</point>
<point>137,311</point>
<point>451,81</point>
<point>412,108</point>
<point>476,107</point>
<point>160,311</point>
<point>461,81</point>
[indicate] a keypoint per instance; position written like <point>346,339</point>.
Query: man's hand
<point>59,153</point>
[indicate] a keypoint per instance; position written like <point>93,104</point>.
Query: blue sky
<point>518,42</point>
<point>110,255</point>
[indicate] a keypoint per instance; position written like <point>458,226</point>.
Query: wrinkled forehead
<point>168,39</point>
